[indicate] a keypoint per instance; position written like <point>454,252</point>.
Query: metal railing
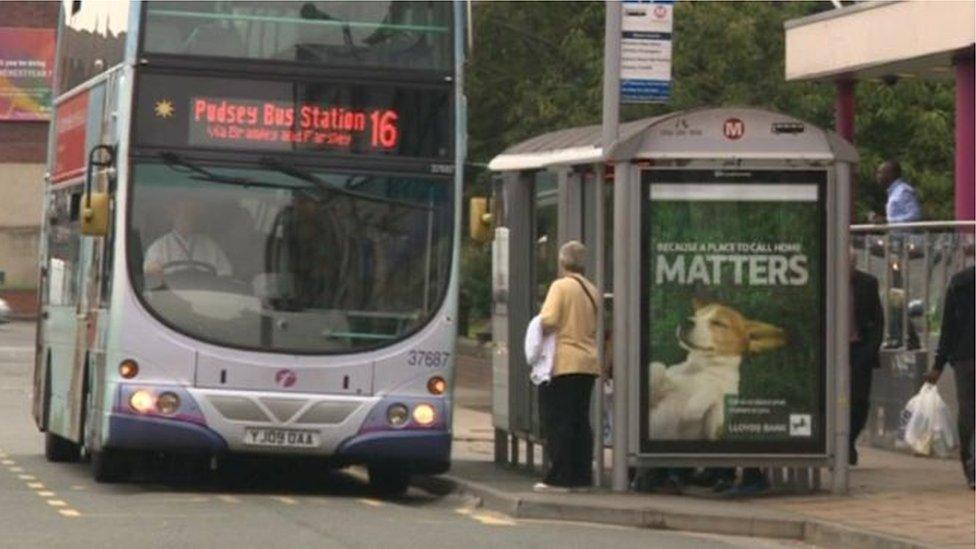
<point>913,263</point>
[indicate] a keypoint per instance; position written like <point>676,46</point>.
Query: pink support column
<point>965,146</point>
<point>844,124</point>
<point>844,121</point>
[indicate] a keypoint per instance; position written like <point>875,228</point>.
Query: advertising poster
<point>26,73</point>
<point>69,135</point>
<point>733,312</point>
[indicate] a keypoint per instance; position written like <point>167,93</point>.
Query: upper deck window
<point>388,34</point>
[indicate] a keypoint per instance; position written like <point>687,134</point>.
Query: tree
<point>538,67</point>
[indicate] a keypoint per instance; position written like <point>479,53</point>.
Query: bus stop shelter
<point>718,238</point>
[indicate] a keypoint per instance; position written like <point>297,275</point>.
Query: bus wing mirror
<point>94,214</point>
<point>479,220</point>
<point>94,206</point>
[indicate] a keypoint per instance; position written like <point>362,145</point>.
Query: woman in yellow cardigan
<point>570,312</point>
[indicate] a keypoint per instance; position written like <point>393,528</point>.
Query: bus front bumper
<point>365,436</point>
<point>149,433</point>
<point>426,452</point>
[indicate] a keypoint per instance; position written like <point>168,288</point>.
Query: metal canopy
<point>855,42</point>
<point>718,133</point>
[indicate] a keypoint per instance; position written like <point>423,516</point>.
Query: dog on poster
<point>687,400</point>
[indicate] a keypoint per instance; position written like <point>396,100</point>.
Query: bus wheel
<point>58,449</point>
<point>110,465</point>
<point>389,480</point>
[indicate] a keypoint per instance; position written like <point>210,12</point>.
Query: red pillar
<point>844,124</point>
<point>965,147</point>
<point>844,121</point>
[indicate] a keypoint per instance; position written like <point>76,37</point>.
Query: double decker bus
<point>250,237</point>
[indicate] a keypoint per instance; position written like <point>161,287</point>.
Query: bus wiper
<point>325,186</point>
<point>204,174</point>
<point>174,159</point>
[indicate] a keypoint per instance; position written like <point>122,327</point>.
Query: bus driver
<point>182,249</point>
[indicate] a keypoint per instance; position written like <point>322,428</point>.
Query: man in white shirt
<point>181,248</point>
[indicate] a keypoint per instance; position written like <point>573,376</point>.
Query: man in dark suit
<point>956,347</point>
<point>867,331</point>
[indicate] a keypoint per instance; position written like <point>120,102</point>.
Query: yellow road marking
<point>371,502</point>
<point>39,487</point>
<point>228,499</point>
<point>463,511</point>
<point>492,519</point>
<point>185,499</point>
<point>286,500</point>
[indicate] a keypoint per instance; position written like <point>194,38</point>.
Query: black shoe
<point>852,456</point>
<point>750,488</point>
<point>671,485</point>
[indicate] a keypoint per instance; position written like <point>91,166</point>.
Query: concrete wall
<point>21,194</point>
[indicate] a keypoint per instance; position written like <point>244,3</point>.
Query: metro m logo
<point>734,128</point>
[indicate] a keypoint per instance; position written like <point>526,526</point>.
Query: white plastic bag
<point>928,427</point>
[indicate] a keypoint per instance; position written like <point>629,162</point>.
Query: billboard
<point>69,138</point>
<point>26,73</point>
<point>733,312</point>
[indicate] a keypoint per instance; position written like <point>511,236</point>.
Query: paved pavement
<point>895,499</point>
<point>253,504</point>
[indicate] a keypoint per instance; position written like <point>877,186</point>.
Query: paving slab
<point>895,500</point>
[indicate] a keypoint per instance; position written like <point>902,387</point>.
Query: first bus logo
<point>285,377</point>
<point>734,129</point>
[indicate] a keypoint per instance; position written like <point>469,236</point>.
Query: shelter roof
<point>721,133</point>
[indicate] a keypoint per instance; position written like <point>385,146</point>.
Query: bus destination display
<point>353,119</point>
<point>239,123</point>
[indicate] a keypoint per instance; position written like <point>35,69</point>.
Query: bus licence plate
<point>282,438</point>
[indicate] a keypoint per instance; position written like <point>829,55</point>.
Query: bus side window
<point>75,211</point>
<point>63,248</point>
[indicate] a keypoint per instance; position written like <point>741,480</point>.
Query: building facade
<point>23,146</point>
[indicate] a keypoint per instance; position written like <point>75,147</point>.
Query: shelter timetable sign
<point>305,116</point>
<point>645,51</point>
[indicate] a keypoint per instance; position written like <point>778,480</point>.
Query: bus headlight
<point>167,403</point>
<point>397,415</point>
<point>142,401</point>
<point>424,414</point>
